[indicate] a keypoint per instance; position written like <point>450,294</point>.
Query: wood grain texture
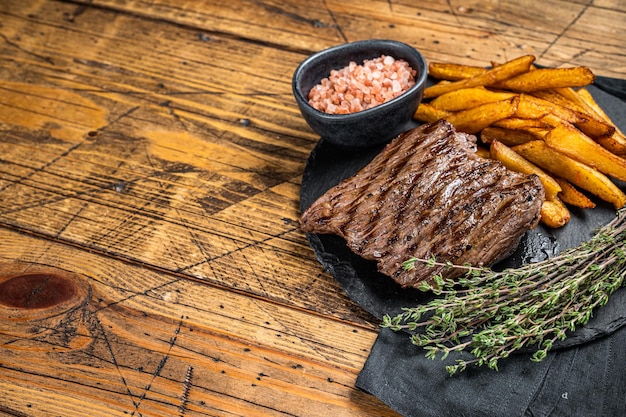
<point>558,32</point>
<point>140,342</point>
<point>151,154</point>
<point>165,174</point>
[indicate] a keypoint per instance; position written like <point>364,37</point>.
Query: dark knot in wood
<point>31,291</point>
<point>36,290</point>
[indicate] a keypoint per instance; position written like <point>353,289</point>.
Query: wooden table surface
<point>151,153</point>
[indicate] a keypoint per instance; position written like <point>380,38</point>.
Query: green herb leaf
<point>492,314</point>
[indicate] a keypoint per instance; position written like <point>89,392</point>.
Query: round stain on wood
<point>36,290</point>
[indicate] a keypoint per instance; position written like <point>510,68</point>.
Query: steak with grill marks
<point>428,194</point>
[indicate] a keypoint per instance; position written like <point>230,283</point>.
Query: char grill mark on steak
<point>428,194</point>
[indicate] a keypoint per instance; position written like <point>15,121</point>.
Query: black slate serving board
<point>328,165</point>
<point>583,376</point>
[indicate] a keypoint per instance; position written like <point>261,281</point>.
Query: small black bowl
<point>369,127</point>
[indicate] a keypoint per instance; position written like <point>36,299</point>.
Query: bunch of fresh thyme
<point>493,314</point>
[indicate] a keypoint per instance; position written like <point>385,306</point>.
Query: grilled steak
<point>428,194</point>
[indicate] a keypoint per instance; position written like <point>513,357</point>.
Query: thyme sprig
<point>495,313</point>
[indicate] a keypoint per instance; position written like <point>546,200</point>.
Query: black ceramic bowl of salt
<point>368,127</point>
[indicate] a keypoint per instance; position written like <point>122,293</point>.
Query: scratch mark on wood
<point>186,387</point>
<point>172,112</point>
<point>19,48</point>
<point>242,248</point>
<point>453,13</point>
<point>70,221</point>
<point>332,16</point>
<point>120,117</point>
<point>277,10</point>
<point>80,9</point>
<point>285,330</point>
<point>21,180</point>
<point>114,359</point>
<point>159,368</point>
<point>390,4</point>
<point>12,412</point>
<point>564,31</point>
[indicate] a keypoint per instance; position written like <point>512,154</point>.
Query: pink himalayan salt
<point>360,87</point>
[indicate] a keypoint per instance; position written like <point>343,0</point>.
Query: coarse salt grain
<point>360,87</point>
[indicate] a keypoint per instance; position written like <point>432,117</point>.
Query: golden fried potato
<point>466,98</point>
<point>546,78</point>
<point>572,142</point>
<point>427,113</point>
<point>616,143</point>
<point>508,137</point>
<point>577,173</point>
<point>513,161</point>
<point>489,77</point>
<point>552,95</point>
<point>572,196</point>
<point>453,72</point>
<point>554,213</point>
<point>483,152</point>
<point>533,107</point>
<point>475,119</point>
<point>595,128</point>
<point>570,94</point>
<point>515,123</point>
<point>592,106</point>
<point>576,113</point>
<point>555,131</point>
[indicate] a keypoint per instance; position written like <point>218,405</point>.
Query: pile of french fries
<point>539,121</point>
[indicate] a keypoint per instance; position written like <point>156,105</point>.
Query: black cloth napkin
<point>585,379</point>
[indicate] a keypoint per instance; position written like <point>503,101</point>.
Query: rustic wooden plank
<point>481,31</point>
<point>151,154</point>
<point>204,190</point>
<point>598,33</point>
<point>133,341</point>
<point>465,31</point>
<point>135,160</point>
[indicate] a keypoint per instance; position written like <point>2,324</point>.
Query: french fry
<point>453,72</point>
<point>546,78</point>
<point>573,143</point>
<point>483,152</point>
<point>554,213</point>
<point>489,77</point>
<point>532,107</point>
<point>586,97</point>
<point>514,123</point>
<point>429,114</point>
<point>577,173</point>
<point>592,125</point>
<point>570,94</point>
<point>513,161</point>
<point>616,143</point>
<point>555,131</point>
<point>595,128</point>
<point>552,96</point>
<point>506,136</point>
<point>466,98</point>
<point>475,119</point>
<point>572,196</point>
<point>537,132</point>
